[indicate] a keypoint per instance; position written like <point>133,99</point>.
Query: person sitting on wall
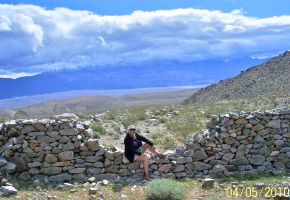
<point>135,149</point>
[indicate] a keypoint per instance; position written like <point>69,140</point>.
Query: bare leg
<point>152,149</point>
<point>143,158</point>
<point>147,146</point>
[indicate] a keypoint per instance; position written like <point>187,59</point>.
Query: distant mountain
<point>96,103</point>
<point>271,78</point>
<point>142,75</point>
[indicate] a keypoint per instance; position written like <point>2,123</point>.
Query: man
<point>135,149</point>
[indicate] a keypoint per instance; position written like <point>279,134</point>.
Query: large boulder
<point>199,155</point>
<point>92,144</point>
<point>68,116</point>
<point>257,159</point>
<point>7,191</point>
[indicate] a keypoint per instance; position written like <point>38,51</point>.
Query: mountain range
<point>125,76</point>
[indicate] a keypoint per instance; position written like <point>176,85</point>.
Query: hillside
<point>271,78</point>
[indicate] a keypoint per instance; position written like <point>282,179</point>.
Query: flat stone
<point>60,177</point>
<point>93,191</point>
<point>50,158</point>
<point>109,155</point>
<point>239,161</point>
<point>3,162</point>
<point>134,165</point>
<point>188,153</point>
<point>34,164</point>
<point>228,156</point>
<point>218,170</point>
<point>93,170</point>
<point>45,139</point>
<point>66,155</point>
<point>77,170</point>
<point>68,146</point>
<point>100,177</point>
<point>162,161</point>
<point>241,121</point>
<point>259,185</point>
<point>286,135</point>
<point>67,186</point>
<point>280,166</point>
<point>230,140</point>
<point>9,167</point>
<point>179,168</point>
<point>285,149</point>
<point>100,152</point>
<point>275,153</point>
<point>165,168</point>
<point>274,124</point>
<point>93,144</point>
<point>61,164</point>
<point>181,160</point>
<point>123,172</point>
<point>68,131</point>
<point>36,134</point>
<point>257,127</point>
<point>52,134</point>
<point>68,116</point>
<point>51,170</point>
<point>93,159</point>
<point>200,166</point>
<point>27,129</point>
<point>208,183</point>
<point>168,175</point>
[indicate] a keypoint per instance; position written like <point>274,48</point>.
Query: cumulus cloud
<point>34,39</point>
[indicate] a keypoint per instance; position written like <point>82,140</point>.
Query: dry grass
<point>133,192</point>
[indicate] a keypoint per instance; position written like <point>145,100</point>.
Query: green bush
<point>165,189</point>
<point>98,130</point>
<point>116,135</point>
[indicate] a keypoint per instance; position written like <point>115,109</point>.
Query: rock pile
<point>243,142</point>
<point>63,149</point>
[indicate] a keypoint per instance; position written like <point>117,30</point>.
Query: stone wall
<point>63,149</point>
<point>243,143</point>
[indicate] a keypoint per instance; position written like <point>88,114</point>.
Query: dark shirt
<point>132,145</point>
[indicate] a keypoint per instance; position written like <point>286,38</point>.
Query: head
<point>131,130</point>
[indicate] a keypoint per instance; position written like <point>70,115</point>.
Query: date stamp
<point>253,192</point>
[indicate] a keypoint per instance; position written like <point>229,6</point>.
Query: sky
<point>39,36</point>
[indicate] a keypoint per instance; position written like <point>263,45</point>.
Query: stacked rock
<point>63,149</point>
<point>243,142</point>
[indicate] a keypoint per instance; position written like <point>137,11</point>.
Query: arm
<point>144,139</point>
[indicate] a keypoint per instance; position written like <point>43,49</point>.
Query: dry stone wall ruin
<point>62,149</point>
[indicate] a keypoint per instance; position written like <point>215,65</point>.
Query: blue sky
<point>39,36</point>
<point>257,8</point>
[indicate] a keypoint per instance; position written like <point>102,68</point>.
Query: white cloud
<point>34,39</point>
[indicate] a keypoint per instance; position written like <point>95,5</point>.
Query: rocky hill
<point>266,79</point>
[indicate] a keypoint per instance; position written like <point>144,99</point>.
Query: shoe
<point>147,177</point>
<point>161,156</point>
